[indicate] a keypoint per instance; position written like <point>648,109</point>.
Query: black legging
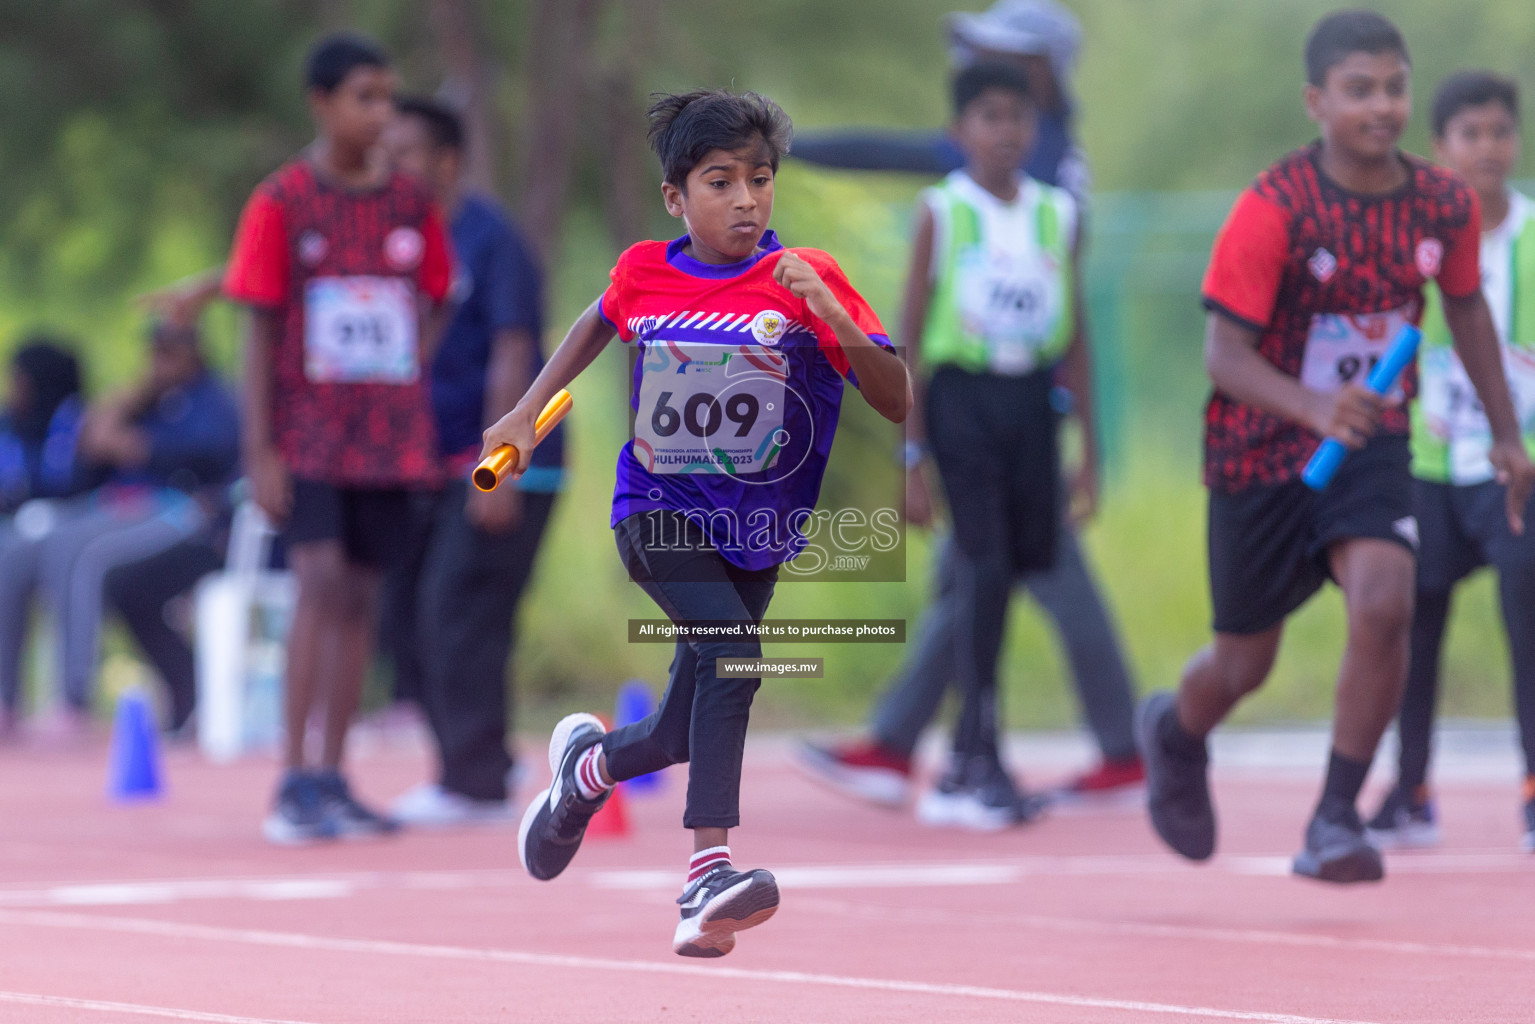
<point>702,718</point>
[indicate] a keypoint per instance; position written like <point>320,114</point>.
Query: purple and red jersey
<point>344,271</point>
<point>1326,277</point>
<point>736,391</point>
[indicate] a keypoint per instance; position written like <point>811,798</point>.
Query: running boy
<point>990,305</point>
<point>337,258</point>
<point>1459,508</point>
<point>1323,258</point>
<point>741,348</point>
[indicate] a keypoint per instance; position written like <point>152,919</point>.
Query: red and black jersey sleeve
<point>1248,261</point>
<point>258,270</point>
<point>435,275</point>
<point>1460,274</point>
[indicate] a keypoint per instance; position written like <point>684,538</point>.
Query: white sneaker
<point>430,806</point>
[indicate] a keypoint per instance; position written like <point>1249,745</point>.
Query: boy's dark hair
<point>684,127</point>
<point>990,74</point>
<point>443,126</point>
<point>1344,32</point>
<point>337,55</point>
<point>1472,89</point>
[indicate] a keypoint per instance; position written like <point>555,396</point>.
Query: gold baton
<point>494,467</point>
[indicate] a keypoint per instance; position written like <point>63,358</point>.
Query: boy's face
<point>1363,104</point>
<point>1481,144</point>
<point>726,202</point>
<point>995,131</point>
<point>355,112</point>
<point>408,145</point>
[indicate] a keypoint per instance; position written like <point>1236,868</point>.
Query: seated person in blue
<point>171,447</point>
<point>39,429</point>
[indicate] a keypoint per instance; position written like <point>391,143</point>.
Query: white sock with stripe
<point>588,778</point>
<point>705,861</point>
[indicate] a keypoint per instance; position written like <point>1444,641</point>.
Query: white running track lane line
<point>1020,869</point>
<point>887,875</point>
<point>104,1006</point>
<point>287,887</point>
<point>1136,929</point>
<point>296,940</point>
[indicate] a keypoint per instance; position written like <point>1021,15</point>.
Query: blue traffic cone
<point>134,762</point>
<point>635,704</point>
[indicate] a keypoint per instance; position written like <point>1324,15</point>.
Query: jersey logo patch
<point>1429,256</point>
<point>402,248</point>
<point>312,248</point>
<point>1407,529</point>
<point>1323,265</point>
<point>768,326</point>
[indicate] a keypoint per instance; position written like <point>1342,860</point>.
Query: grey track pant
<point>1070,597</point>
<point>74,560</point>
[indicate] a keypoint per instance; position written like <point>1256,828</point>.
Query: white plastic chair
<point>242,616</point>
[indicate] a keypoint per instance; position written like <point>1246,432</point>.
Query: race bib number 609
<point>709,408</point>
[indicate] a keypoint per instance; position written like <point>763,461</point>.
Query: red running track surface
<point>178,911</point>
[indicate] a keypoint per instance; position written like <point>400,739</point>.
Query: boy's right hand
<point>1349,416</point>
<point>516,428</point>
<point>271,484</point>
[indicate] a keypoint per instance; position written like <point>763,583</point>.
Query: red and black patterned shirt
<point>343,270</point>
<point>1326,277</point>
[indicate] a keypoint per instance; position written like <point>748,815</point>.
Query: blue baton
<point>1329,456</point>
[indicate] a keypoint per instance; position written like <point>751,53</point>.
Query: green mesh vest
<point>1449,434</point>
<point>1002,297</point>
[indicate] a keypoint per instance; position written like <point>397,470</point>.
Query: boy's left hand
<point>804,283</point>
<point>1515,472</point>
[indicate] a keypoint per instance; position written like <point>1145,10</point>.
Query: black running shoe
<point>1177,784</point>
<point>555,822</point>
<point>1337,850</point>
<point>353,819</point>
<point>1404,822</point>
<point>298,817</point>
<point>718,905</point>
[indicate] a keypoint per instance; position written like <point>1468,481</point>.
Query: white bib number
<point>710,408</point>
<point>1454,414</point>
<point>360,330</point>
<point>1342,348</point>
<point>1012,300</point>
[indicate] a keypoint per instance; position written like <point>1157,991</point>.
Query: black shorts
<point>1461,529</point>
<point>1268,545</point>
<point>994,441</point>
<point>372,524</point>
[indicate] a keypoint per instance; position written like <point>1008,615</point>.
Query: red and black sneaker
<point>1109,781</point>
<point>861,769</point>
